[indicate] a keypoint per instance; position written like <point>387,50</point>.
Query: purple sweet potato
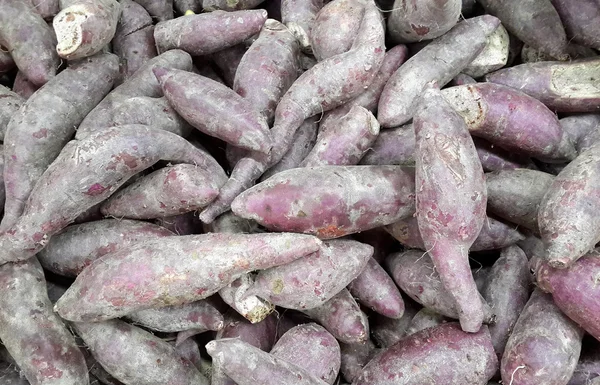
<point>189,32</point>
<point>493,235</point>
<point>134,38</point>
<point>451,199</point>
<point>160,10</point>
<point>512,120</point>
<point>323,200</point>
<point>392,146</point>
<point>461,80</point>
<point>515,195</point>
<point>87,172</point>
<point>156,361</point>
<point>414,272</point>
<point>544,345</point>
<point>425,318</point>
<point>375,289</point>
<point>37,133</point>
<point>567,217</point>
<point>387,331</point>
<point>198,315</point>
<point>32,333</point>
<point>584,130</point>
<point>250,306</point>
<point>85,27</point>
<point>311,281</point>
<point>74,248</point>
<point>424,20</point>
<point>213,5</point>
<point>162,279</point>
<point>312,348</point>
<point>11,375</point>
<point>10,103</point>
<point>587,368</point>
<point>248,365</point>
<point>443,354</point>
<point>439,61</point>
<point>561,86</point>
<point>335,28</point>
<point>190,350</point>
<point>199,101</point>
<point>299,17</point>
<point>494,158</point>
<point>354,357</point>
<point>342,317</point>
<point>23,86</point>
<point>382,242</point>
<point>227,61</point>
<point>581,19</point>
<point>507,292</point>
<point>345,141</point>
<point>29,40</point>
<point>6,61</point>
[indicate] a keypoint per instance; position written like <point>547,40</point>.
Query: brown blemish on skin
<point>330,231</point>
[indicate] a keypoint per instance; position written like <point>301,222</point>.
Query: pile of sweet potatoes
<point>299,192</point>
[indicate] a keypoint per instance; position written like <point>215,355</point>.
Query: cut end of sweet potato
<point>67,26</point>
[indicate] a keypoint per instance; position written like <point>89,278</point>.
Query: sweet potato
<point>561,86</point>
<point>189,32</point>
<point>227,61</point>
<point>310,281</point>
<point>23,86</point>
<point>6,61</point>
<point>584,130</point>
<point>411,21</point>
<point>345,142</point>
<point>85,27</point>
<point>581,20</point>
<point>71,250</point>
<point>183,224</point>
<point>439,61</point>
<point>425,318</point>
<point>250,306</point>
<point>511,119</point>
<point>215,260</point>
<point>335,28</point>
<point>10,103</point>
<point>342,317</point>
<point>493,56</point>
<point>231,223</point>
<point>515,195</point>
<point>463,79</point>
<point>566,216</point>
<point>88,171</point>
<point>239,124</point>
<point>376,290</point>
<point>160,10</point>
<point>480,275</point>
<point>156,361</point>
<point>134,38</point>
<point>248,365</point>
<point>494,158</point>
<point>213,5</point>
<point>10,375</point>
<point>507,292</point>
<point>299,17</point>
<point>447,167</point>
<point>493,235</point>
<point>382,242</point>
<point>190,350</point>
<point>544,345</point>
<point>354,357</point>
<point>312,348</point>
<point>46,122</point>
<point>32,333</point>
<point>443,354</point>
<point>318,200</point>
<point>587,368</point>
<point>392,146</point>
<point>387,331</point>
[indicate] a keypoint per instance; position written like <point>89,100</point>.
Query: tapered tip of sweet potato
<point>160,73</point>
<point>67,26</point>
<point>211,348</point>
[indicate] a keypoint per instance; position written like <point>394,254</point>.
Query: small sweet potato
<point>392,146</point>
<point>443,354</point>
<point>354,357</point>
<point>584,130</point>
<point>224,5</point>
<point>10,103</point>
<point>581,19</point>
<point>227,61</point>
<point>23,86</point>
<point>588,367</point>
<point>160,10</point>
<point>494,158</point>
<point>387,331</point>
<point>299,17</point>
<point>424,20</point>
<point>425,318</point>
<point>6,61</point>
<point>544,345</point>
<point>462,79</point>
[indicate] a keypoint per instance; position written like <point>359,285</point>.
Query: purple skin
<point>84,27</point>
<point>581,19</point>
<point>574,290</point>
<point>23,87</point>
<point>199,101</point>
<point>37,133</point>
<point>493,235</point>
<point>411,22</point>
<point>461,80</point>
<point>443,354</point>
<point>152,361</point>
<point>248,365</point>
<point>387,331</point>
<point>299,17</point>
<point>11,375</point>
<point>318,200</point>
<point>87,172</point>
<point>6,61</point>
<point>311,281</point>
<point>494,158</point>
<point>392,146</point>
<point>583,129</point>
<point>544,345</point>
<point>439,61</point>
<point>228,60</point>
<point>342,317</point>
<point>29,40</point>
<point>312,348</point>
<point>161,279</point>
<point>166,192</point>
<point>142,83</point>
<point>10,103</point>
<point>414,272</point>
<point>561,86</point>
<point>335,28</point>
<point>33,334</point>
<point>567,216</point>
<point>345,141</point>
<point>532,246</point>
<point>425,318</point>
<point>160,10</point>
<point>304,140</point>
<point>512,120</point>
<point>354,357</point>
<point>188,33</point>
<point>196,315</point>
<point>134,38</point>
<point>587,368</point>
<point>224,5</point>
<point>447,167</point>
<point>507,292</point>
<point>77,246</point>
<point>376,290</point>
<point>515,195</point>
<point>190,350</point>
